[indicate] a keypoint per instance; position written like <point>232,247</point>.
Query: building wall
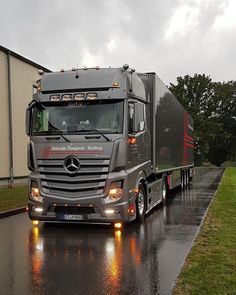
<point>23,76</point>
<point>4,123</point>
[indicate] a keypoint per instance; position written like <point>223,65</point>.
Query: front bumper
<point>94,211</point>
<point>89,209</point>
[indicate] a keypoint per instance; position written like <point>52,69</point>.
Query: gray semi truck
<point>106,145</point>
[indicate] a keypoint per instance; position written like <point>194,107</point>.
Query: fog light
<point>118,225</point>
<point>35,222</point>
<point>110,211</point>
<point>38,209</point>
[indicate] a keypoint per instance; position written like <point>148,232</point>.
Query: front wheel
<point>141,203</point>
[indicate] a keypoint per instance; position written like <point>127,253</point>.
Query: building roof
<point>24,59</point>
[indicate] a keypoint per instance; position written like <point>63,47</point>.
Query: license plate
<point>73,217</point>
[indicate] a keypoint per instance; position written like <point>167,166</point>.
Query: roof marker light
<point>79,96</point>
<point>55,98</point>
<point>92,96</point>
<point>62,70</point>
<point>67,97</point>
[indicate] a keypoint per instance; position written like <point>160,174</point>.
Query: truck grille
<point>89,180</point>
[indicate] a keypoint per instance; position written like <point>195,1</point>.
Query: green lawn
<point>210,267</point>
<point>13,198</point>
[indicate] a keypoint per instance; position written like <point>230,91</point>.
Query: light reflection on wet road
<point>74,259</point>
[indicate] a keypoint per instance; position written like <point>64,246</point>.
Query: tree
<point>213,108</point>
<point>223,146</point>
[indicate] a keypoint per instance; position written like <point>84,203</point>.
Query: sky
<point>170,37</point>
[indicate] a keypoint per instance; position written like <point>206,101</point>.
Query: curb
<point>13,212</point>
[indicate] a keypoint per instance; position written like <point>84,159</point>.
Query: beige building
<point>18,77</point>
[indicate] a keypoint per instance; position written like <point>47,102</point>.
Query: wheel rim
<point>140,202</point>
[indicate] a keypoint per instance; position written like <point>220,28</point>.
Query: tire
<point>187,178</point>
<point>183,179</point>
<point>163,190</point>
<point>141,203</point>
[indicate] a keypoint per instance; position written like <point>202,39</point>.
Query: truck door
<point>139,144</point>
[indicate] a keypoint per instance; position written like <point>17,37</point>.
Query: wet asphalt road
<point>79,259</point>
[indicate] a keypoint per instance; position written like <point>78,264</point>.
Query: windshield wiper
<point>51,134</point>
<point>94,130</point>
<point>59,132</point>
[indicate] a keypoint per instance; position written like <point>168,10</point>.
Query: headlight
<point>34,192</point>
<point>115,193</point>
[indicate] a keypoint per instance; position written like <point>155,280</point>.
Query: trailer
<point>106,145</point>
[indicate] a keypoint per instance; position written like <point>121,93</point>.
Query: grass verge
<point>13,198</point>
<point>210,268</point>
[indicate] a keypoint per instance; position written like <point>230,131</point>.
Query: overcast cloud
<point>170,37</point>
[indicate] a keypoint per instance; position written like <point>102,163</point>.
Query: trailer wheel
<point>141,203</point>
<point>187,177</point>
<point>163,190</point>
<point>183,179</point>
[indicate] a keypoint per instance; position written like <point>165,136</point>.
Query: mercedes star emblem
<point>72,164</point>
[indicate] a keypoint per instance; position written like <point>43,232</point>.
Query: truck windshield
<point>75,117</point>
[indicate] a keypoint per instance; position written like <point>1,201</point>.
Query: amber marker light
<point>115,85</point>
<point>39,86</point>
<point>35,222</point>
<point>132,209</point>
<point>118,225</point>
<point>132,140</point>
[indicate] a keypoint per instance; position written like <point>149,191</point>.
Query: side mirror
<point>27,121</point>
